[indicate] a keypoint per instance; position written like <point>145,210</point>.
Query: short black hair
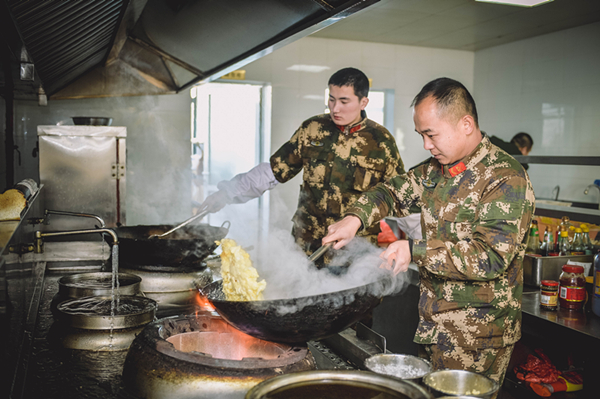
<point>451,97</point>
<point>351,77</point>
<point>522,140</point>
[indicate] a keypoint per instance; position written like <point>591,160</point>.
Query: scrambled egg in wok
<point>239,276</point>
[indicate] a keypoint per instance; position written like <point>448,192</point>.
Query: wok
<point>297,320</point>
<point>184,249</point>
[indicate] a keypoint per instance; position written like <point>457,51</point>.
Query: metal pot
<point>97,284</point>
<point>184,248</point>
<point>101,332</point>
<point>315,317</point>
<point>92,120</point>
<point>460,383</point>
<point>405,367</point>
<point>335,384</point>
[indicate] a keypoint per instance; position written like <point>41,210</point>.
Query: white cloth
<point>247,186</point>
<point>411,225</point>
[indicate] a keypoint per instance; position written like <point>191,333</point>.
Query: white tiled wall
<point>300,95</point>
<point>549,87</point>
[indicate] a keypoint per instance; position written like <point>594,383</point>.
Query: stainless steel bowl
<point>92,120</point>
<point>336,384</point>
<point>406,367</point>
<point>460,383</point>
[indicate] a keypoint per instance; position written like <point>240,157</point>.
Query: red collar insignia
<point>354,129</point>
<point>457,169</point>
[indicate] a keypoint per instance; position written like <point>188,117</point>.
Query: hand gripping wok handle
<point>319,252</point>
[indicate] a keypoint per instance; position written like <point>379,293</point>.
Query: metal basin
<point>333,384</point>
<point>93,313</point>
<point>460,383</point>
<point>405,367</point>
<point>97,284</point>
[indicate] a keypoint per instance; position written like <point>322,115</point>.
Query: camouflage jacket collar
<point>468,162</point>
<point>360,125</point>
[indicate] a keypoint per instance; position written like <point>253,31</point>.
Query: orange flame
<point>204,303</point>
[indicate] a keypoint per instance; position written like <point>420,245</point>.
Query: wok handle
<point>188,221</point>
<point>319,252</point>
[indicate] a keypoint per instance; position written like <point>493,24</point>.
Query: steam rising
<point>289,274</point>
<point>293,282</point>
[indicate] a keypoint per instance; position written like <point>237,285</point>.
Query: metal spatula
<point>188,221</point>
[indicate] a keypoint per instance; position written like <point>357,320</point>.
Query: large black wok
<point>184,248</point>
<point>297,320</point>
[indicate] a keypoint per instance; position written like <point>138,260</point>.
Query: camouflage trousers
<point>492,362</point>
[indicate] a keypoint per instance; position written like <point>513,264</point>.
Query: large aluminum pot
<point>333,384</point>
<point>92,120</point>
<point>460,383</point>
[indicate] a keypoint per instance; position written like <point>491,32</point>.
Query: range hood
<point>105,48</point>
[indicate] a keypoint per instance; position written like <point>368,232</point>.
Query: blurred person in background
<point>520,144</point>
<point>342,154</point>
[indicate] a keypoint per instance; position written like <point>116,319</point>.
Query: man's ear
<point>363,103</point>
<point>467,124</point>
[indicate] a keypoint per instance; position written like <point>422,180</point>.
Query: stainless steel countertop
<point>579,322</point>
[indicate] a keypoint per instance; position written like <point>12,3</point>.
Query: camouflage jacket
<point>339,164</point>
<point>475,216</point>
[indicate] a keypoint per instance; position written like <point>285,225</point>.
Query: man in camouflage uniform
<point>476,203</point>
<point>342,154</point>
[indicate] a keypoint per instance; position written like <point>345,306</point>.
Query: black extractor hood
<point>101,48</point>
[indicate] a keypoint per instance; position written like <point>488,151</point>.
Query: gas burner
<point>202,356</point>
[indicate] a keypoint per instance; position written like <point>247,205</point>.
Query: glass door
<point>230,135</point>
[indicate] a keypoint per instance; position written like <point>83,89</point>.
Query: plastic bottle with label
<point>596,294</point>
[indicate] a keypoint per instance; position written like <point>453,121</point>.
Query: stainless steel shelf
<point>576,214</point>
<point>558,160</point>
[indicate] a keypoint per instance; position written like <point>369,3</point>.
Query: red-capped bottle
<point>572,288</point>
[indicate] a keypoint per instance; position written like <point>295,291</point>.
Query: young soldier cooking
<point>342,155</point>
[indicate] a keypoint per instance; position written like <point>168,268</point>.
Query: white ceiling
<point>459,24</point>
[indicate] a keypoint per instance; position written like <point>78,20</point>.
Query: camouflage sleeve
<point>286,162</point>
<point>395,197</point>
<point>394,165</point>
<point>497,229</point>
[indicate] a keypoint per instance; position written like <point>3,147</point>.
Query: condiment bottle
<point>585,237</point>
<point>565,246</point>
<point>533,243</point>
<point>565,223</point>
<point>572,287</point>
<point>544,244</point>
<point>547,247</point>
<point>549,295</point>
<point>577,246</point>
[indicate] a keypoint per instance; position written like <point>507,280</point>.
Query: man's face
<point>344,105</point>
<point>442,137</point>
<point>524,150</point>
